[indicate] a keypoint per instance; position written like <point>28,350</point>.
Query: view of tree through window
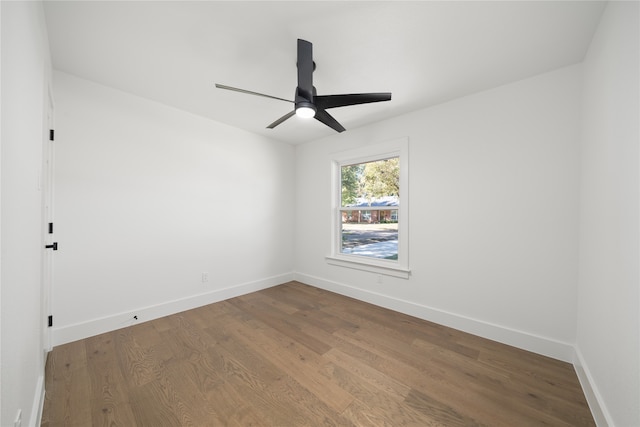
<point>370,195</point>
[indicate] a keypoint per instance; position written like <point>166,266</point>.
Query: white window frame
<point>371,153</point>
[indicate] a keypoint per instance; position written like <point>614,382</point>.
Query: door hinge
<point>50,321</point>
<point>51,132</point>
<point>50,228</point>
<point>54,246</point>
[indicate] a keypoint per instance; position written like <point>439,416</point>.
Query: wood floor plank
<point>299,363</point>
<point>375,379</point>
<point>109,413</point>
<point>315,411</point>
<point>295,355</point>
<point>135,361</point>
<point>71,403</point>
<point>281,322</point>
<point>441,413</point>
<point>371,405</point>
<point>232,347</point>
<point>110,401</point>
<point>363,415</point>
<point>197,408</point>
<point>272,302</point>
<point>425,379</point>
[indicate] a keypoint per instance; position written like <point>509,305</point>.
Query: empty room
<point>303,213</point>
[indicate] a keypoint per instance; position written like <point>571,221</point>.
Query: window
<point>369,208</point>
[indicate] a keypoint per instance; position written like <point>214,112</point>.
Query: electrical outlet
<point>205,277</point>
<point>18,420</point>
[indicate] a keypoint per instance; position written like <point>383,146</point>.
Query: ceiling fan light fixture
<point>306,110</point>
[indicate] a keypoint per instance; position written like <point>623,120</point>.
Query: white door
<point>48,227</point>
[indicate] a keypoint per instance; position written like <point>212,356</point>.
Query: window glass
<point>369,208</point>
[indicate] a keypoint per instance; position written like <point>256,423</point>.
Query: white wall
<point>25,72</point>
<point>493,199</point>
<point>148,197</point>
<point>608,311</point>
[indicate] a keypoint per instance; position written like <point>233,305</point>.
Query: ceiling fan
<point>307,103</point>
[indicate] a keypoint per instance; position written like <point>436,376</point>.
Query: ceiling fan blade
<point>281,119</point>
<point>235,89</point>
<point>332,101</point>
<point>305,69</point>
<point>327,119</point>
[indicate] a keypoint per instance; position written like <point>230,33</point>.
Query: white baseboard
<point>70,333</point>
<point>598,409</point>
<point>38,404</point>
<point>537,344</point>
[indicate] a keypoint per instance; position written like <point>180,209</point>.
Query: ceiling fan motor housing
<point>304,105</point>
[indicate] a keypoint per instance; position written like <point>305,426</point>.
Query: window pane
<point>372,183</point>
<point>370,233</point>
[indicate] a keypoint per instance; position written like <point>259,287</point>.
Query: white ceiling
<point>424,52</point>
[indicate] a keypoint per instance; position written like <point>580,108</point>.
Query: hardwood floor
<point>294,355</point>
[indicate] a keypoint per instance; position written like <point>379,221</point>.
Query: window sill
<point>365,265</point>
